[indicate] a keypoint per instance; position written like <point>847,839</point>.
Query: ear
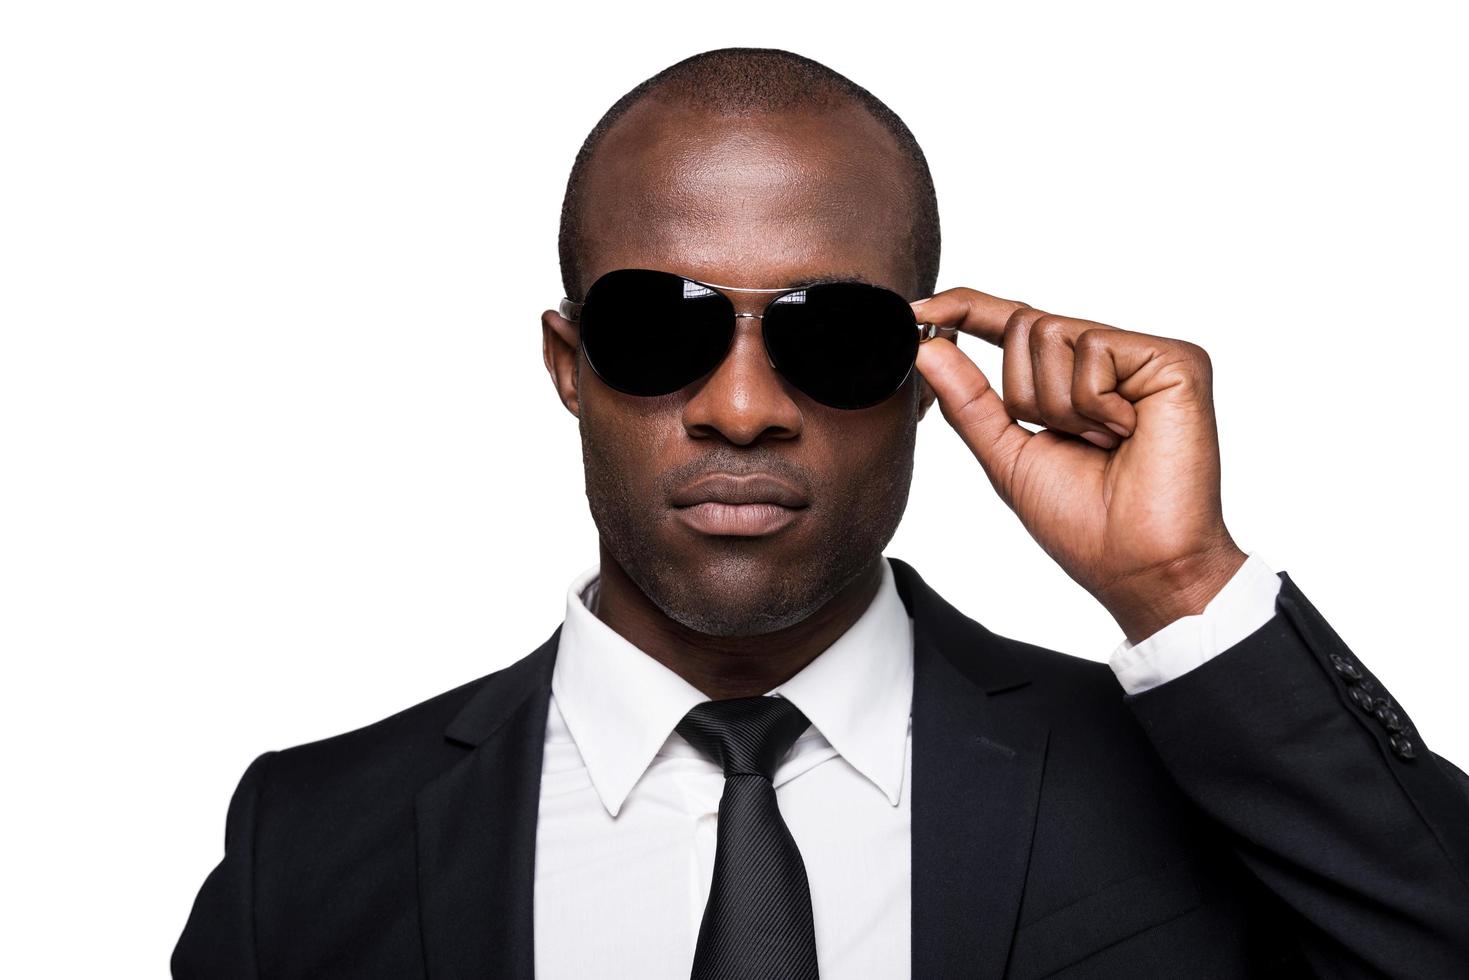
<point>561,348</point>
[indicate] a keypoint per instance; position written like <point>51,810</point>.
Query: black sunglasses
<point>845,344</point>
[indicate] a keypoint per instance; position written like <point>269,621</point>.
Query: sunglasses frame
<point>571,310</point>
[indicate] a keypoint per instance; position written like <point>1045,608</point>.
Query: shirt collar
<point>620,705</point>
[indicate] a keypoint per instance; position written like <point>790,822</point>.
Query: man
<point>756,747</point>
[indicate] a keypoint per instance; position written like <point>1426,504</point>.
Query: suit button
<point>1402,746</point>
<point>1345,667</point>
<point>1361,699</point>
<point>1389,719</point>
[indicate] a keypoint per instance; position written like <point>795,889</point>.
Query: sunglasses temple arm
<point>569,310</point>
<point>928,331</point>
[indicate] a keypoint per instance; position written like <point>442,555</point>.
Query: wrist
<point>1148,601</point>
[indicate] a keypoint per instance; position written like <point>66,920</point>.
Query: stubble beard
<point>736,591</point>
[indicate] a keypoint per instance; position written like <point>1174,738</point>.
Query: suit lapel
<point>476,827</point>
<point>977,767</point>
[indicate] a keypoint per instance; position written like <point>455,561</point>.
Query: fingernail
<point>919,302</point>
<point>1117,429</point>
<point>1099,439</point>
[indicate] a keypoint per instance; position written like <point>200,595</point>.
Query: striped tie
<point>758,921</point>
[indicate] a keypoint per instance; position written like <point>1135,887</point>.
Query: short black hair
<point>744,81</point>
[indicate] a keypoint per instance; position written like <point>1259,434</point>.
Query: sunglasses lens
<point>847,345</point>
<point>651,333</point>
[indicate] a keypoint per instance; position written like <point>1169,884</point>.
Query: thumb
<point>972,406</point>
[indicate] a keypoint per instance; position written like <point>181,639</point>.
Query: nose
<point>744,399</point>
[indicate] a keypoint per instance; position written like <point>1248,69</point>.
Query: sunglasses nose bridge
<point>761,317</point>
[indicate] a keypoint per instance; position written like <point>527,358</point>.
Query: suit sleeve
<point>1327,793</point>
<point>218,941</point>
<point>1245,603</point>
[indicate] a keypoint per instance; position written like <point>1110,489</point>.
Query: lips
<point>726,505</point>
<point>726,488</point>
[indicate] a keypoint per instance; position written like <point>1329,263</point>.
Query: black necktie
<point>758,921</point>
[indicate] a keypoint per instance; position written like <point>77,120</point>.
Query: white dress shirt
<point>629,809</point>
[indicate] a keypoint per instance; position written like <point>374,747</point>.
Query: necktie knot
<point>747,736</point>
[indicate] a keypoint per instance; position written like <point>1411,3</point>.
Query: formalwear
<point>1272,811</point>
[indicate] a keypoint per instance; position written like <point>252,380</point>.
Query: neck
<point>728,666</point>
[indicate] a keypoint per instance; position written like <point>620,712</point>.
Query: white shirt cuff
<point>1246,603</point>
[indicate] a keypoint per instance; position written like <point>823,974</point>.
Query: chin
<point>726,620</point>
<point>735,594</point>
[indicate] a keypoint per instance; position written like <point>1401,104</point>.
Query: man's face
<point>757,201</point>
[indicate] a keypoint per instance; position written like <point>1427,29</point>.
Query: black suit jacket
<point>1249,818</point>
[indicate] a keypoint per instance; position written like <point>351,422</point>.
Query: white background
<point>280,456</point>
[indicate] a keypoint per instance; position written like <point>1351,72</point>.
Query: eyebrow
<point>831,277</point>
<point>814,280</point>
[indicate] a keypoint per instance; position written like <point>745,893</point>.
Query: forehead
<point>757,200</point>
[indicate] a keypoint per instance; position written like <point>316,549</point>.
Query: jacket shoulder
<point>1063,677</point>
<point>397,754</point>
<point>404,739</point>
<point>992,661</point>
<point>1050,681</point>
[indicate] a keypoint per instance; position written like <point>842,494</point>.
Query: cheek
<point>868,460</point>
<point>628,442</point>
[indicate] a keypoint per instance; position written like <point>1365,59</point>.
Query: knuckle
<point>974,400</point>
<point>1026,314</point>
<point>1092,341</point>
<point>1046,331</point>
<point>1021,408</point>
<point>1195,361</point>
<point>1055,408</point>
<point>1020,319</point>
<point>1049,324</point>
<point>1191,350</point>
<point>1083,396</point>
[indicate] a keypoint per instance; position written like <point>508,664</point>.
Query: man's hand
<point>1121,488</point>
